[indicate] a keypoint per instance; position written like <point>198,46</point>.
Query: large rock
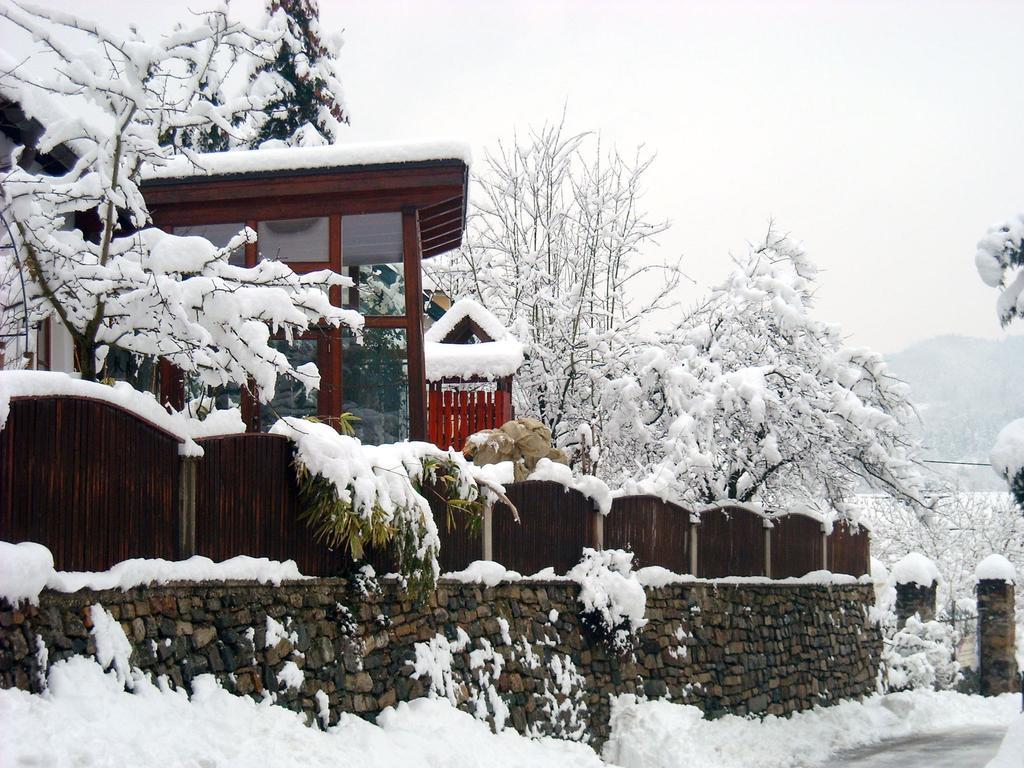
<point>524,442</point>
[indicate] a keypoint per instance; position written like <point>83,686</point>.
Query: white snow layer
<point>307,158</point>
<point>24,570</point>
<point>461,309</point>
<point>1011,751</point>
<point>501,356</point>
<point>658,734</point>
<point>27,568</point>
<point>594,488</point>
<point>85,715</point>
<point>996,568</point>
<point>486,360</point>
<point>142,404</point>
<point>915,568</point>
<point>486,572</point>
<point>1007,455</point>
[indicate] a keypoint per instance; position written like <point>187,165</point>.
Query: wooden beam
<point>339,181</point>
<point>413,263</point>
<point>199,210</point>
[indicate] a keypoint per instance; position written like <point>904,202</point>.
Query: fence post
<point>767,549</point>
<point>916,581</point>
<point>187,507</point>
<point>598,526</point>
<point>824,548</point>
<point>488,532</point>
<point>693,546</point>
<point>997,664</point>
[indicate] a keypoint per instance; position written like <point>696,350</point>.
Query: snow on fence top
<point>498,356</point>
<point>996,568</point>
<point>915,568</point>
<point>278,160</point>
<point>121,394</point>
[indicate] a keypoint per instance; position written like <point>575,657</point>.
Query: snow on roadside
<point>659,734</point>
<point>86,718</point>
<point>1011,751</point>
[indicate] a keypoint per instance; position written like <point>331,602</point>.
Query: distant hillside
<point>966,390</point>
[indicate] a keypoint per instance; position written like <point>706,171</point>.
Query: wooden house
<point>373,213</point>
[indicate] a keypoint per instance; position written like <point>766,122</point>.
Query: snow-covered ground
<point>658,734</point>
<point>86,718</point>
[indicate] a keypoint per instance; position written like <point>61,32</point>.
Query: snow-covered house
<point>371,212</point>
<point>471,359</point>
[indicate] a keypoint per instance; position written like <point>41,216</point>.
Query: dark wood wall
<point>849,549</point>
<point>796,546</point>
<point>98,485</point>
<point>90,481</point>
<point>556,524</point>
<point>657,532</point>
<point>730,542</point>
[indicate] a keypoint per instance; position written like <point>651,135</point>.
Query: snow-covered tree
<point>109,98</point>
<point>1000,262</point>
<point>311,106</point>
<point>751,398</point>
<point>555,224</point>
<point>962,529</point>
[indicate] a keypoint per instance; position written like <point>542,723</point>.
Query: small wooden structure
<point>470,361</point>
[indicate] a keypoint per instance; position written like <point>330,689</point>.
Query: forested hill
<point>965,390</point>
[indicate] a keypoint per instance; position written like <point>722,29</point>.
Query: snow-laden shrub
<point>357,496</point>
<point>921,655</point>
<point>612,598</point>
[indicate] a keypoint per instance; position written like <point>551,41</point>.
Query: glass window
<point>291,397</point>
<point>371,238</point>
<point>138,370</point>
<point>372,248</point>
<point>294,239</point>
<point>375,385</point>
<point>218,234</point>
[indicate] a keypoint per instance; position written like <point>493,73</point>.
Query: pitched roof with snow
<point>293,159</point>
<point>452,353</point>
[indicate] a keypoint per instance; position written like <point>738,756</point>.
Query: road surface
<point>966,748</point>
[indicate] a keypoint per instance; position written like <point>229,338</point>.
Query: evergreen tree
<point>312,107</point>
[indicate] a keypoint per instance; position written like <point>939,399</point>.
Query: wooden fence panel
<point>557,523</point>
<point>796,546</point>
<point>247,503</point>
<point>656,531</point>
<point>730,542</point>
<point>89,480</point>
<point>849,549</point>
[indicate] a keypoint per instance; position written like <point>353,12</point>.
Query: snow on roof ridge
<point>477,312</point>
<point>495,359</point>
<point>306,158</point>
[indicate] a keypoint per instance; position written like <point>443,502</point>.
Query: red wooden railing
<point>455,414</point>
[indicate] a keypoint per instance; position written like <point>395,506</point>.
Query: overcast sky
<point>886,136</point>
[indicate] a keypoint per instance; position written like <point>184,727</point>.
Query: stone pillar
<point>997,664</point>
<point>916,580</point>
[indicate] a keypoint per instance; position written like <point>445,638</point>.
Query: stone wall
<point>513,653</point>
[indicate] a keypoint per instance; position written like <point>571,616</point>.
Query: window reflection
<point>291,397</point>
<point>372,251</point>
<point>293,239</point>
<point>375,385</point>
